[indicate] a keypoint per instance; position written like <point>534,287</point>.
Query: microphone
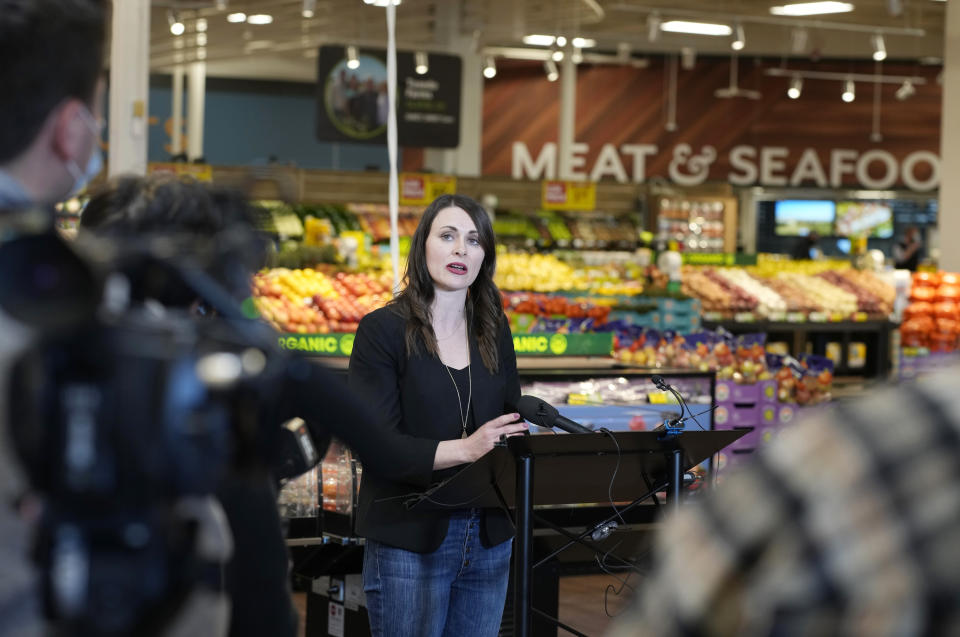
<point>542,413</point>
<point>660,383</point>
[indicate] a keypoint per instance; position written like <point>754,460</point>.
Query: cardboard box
<point>729,391</point>
<point>733,415</point>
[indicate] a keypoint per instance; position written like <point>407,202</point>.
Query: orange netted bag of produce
<point>948,293</point>
<point>926,279</point>
<point>949,278</point>
<point>942,342</point>
<point>943,310</point>
<point>918,308</point>
<point>923,293</point>
<point>913,333</point>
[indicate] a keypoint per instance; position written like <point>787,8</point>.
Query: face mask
<point>94,164</point>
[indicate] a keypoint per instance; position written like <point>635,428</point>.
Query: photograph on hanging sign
<point>352,103</point>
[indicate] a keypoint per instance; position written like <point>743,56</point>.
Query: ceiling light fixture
<point>539,40</point>
<point>577,55</point>
<point>201,25</point>
<point>849,91</point>
<point>696,28</point>
<point>176,24</point>
<point>798,40</point>
<point>653,26</point>
<point>353,60</point>
<point>201,39</point>
<point>796,87</point>
<point>812,8</point>
<point>259,18</point>
<point>236,18</point>
<point>556,55</point>
<point>489,67</point>
<point>201,53</point>
<point>739,39</point>
<point>561,40</point>
<point>382,3</point>
<point>584,43</point>
<point>550,67</point>
<point>309,8</point>
<point>879,48</point>
<point>420,62</point>
<point>905,91</point>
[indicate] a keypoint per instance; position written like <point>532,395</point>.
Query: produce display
<point>520,272</point>
<point>807,381</point>
<point>932,319</point>
<point>308,301</point>
<point>825,296</point>
<point>768,292</point>
<point>547,228</point>
<point>696,225</point>
<point>555,309</point>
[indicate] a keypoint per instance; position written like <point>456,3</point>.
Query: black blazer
<point>414,397</point>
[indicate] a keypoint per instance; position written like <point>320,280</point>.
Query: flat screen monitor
<point>864,218</point>
<point>800,217</point>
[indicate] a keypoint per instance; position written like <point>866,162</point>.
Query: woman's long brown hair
<point>484,310</point>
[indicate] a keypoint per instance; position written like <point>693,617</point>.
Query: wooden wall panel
<point>621,105</point>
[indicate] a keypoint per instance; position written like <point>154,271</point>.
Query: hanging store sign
<point>774,166</point>
<point>419,189</point>
<point>352,103</point>
<point>568,195</point>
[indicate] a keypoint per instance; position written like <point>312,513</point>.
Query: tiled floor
<point>581,603</point>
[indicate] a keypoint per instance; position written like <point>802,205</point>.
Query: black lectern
<point>571,469</point>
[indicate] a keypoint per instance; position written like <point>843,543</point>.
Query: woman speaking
<point>437,366</point>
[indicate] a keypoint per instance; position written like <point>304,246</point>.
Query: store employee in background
<point>51,58</point>
<point>906,253</point>
<point>437,365</point>
<point>808,247</point>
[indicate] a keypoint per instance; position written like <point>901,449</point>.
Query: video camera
<point>126,414</point>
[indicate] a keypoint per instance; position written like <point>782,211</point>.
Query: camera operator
<point>215,229</point>
<point>198,216</point>
<point>51,56</point>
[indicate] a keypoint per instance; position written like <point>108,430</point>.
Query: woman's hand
<point>451,453</point>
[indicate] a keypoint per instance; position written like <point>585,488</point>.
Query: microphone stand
<point>670,432</point>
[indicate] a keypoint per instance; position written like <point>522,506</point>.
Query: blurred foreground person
<point>221,223</point>
<point>51,59</point>
<point>847,524</point>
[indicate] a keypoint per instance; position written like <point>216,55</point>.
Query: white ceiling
<point>286,49</point>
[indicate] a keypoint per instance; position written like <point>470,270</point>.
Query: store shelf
<point>814,338</point>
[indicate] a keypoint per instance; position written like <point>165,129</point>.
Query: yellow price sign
<point>419,189</point>
<point>568,195</point>
<point>200,172</point>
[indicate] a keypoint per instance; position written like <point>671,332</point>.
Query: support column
<point>465,159</point>
<point>129,87</point>
<point>196,95</point>
<point>949,205</point>
<point>568,117</point>
<point>176,139</point>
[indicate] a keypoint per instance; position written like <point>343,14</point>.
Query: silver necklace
<point>464,413</point>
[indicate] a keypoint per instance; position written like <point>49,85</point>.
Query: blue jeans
<point>457,590</point>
